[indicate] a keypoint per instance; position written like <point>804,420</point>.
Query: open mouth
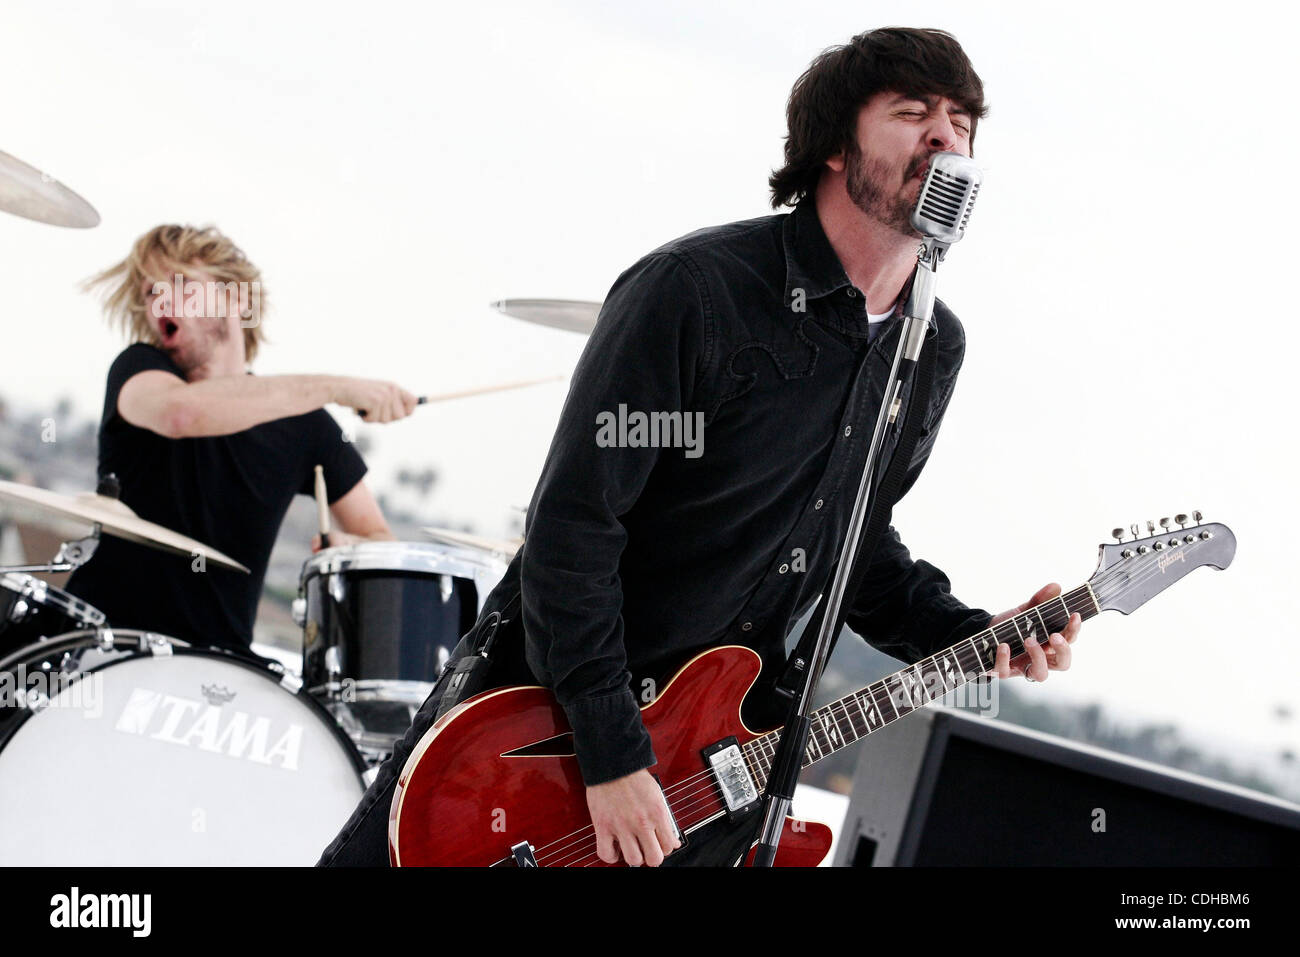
<point>168,328</point>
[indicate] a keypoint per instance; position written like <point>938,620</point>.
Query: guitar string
<point>1114,576</point>
<point>704,796</point>
<point>705,778</point>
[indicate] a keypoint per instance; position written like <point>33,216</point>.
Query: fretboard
<point>856,715</point>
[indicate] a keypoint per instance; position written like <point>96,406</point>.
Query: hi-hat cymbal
<point>573,315</point>
<point>114,518</point>
<point>26,191</point>
<point>506,547</point>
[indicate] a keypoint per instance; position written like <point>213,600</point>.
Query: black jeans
<point>363,842</point>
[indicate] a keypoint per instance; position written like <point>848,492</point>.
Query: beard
<point>205,335</point>
<point>865,181</point>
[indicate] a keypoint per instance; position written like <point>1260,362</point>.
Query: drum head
<point>188,758</point>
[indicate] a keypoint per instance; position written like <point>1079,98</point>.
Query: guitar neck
<point>853,717</point>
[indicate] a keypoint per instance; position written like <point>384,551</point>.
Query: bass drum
<point>133,749</point>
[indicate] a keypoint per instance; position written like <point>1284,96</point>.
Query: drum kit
<point>198,755</point>
<point>126,747</point>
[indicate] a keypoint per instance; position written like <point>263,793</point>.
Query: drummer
<point>204,447</point>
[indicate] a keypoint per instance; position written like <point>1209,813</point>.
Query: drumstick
<point>429,399</point>
<point>322,508</point>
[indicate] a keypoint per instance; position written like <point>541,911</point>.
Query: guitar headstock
<point>1131,573</point>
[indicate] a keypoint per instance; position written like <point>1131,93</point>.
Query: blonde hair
<point>176,249</point>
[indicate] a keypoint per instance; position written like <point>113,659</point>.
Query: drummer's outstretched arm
<point>222,405</point>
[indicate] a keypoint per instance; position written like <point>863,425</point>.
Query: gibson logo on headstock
<point>1167,559</point>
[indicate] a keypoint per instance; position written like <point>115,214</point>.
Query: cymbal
<point>497,546</point>
<point>26,191</point>
<point>114,518</point>
<point>573,315</point>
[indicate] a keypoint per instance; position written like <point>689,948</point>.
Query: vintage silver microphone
<point>942,211</point>
<point>947,197</point>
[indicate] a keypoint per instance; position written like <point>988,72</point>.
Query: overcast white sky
<point>394,167</point>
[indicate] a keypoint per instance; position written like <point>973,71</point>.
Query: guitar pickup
<point>732,777</point>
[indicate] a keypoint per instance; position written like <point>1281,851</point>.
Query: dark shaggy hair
<point>822,113</point>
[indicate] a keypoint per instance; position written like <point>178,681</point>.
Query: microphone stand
<point>787,762</point>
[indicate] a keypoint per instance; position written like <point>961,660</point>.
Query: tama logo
<point>208,727</point>
<point>1167,559</point>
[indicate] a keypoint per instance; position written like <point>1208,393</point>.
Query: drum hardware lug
<point>156,644</point>
<point>338,588</point>
<point>33,701</point>
<point>19,611</point>
<point>104,638</point>
<point>445,586</point>
<point>333,666</point>
<point>298,611</point>
<point>290,683</point>
<point>523,855</point>
<point>69,664</point>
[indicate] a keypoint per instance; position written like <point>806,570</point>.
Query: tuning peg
<point>1151,527</point>
<point>1181,519</point>
<point>1117,534</point>
<point>1164,524</point>
<point>1134,529</point>
<point>1197,515</point>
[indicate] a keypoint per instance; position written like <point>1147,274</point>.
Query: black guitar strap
<point>886,492</point>
<point>468,675</point>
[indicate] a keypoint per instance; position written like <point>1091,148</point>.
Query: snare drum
<point>140,750</point>
<point>32,609</point>
<point>379,621</point>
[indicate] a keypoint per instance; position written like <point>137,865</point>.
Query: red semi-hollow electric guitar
<point>495,780</point>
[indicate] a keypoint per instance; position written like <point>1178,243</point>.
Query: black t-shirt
<point>229,492</point>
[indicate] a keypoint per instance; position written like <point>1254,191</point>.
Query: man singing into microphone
<point>203,447</point>
<point>778,334</point>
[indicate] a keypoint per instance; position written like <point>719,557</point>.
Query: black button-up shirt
<point>644,545</point>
